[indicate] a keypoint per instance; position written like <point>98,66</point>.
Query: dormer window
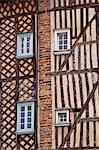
<point>24,45</point>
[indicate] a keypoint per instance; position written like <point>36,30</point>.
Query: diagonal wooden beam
<point>76,42</point>
<point>79,115</point>
<point>72,1</point>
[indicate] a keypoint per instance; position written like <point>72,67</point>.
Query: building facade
<point>49,72</point>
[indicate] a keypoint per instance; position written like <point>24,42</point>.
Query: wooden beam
<point>90,5</point>
<point>78,148</point>
<point>94,70</point>
<point>76,42</point>
<point>97,31</point>
<point>79,115</point>
<point>15,78</point>
<point>72,1</point>
<point>88,119</point>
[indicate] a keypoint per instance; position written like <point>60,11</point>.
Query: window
<point>24,45</point>
<point>62,40</point>
<point>62,117</point>
<point>25,117</point>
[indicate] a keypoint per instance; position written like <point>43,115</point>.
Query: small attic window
<point>62,117</point>
<point>62,40</point>
<point>24,45</point>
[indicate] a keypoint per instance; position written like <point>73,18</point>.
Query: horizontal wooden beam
<point>88,119</point>
<point>78,148</point>
<point>16,78</point>
<point>79,71</point>
<point>69,7</point>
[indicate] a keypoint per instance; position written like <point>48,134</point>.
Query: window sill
<point>24,132</point>
<point>62,125</point>
<point>66,52</point>
<point>25,56</point>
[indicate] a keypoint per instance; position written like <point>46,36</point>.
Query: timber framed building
<point>49,74</point>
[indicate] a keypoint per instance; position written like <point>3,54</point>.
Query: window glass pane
<point>65,36</point>
<point>28,50</point>
<point>65,41</point>
<point>60,42</point>
<point>29,113</point>
<point>22,114</point>
<point>28,38</point>
<point>60,36</point>
<point>29,119</point>
<point>22,39</point>
<point>29,125</point>
<point>65,46</point>
<point>62,117</point>
<point>22,120</point>
<point>22,126</point>
<point>28,44</point>
<point>22,108</point>
<point>60,47</point>
<point>29,107</point>
<point>65,119</point>
<point>22,45</point>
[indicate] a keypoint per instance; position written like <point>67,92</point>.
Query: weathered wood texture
<point>17,77</point>
<point>72,89</point>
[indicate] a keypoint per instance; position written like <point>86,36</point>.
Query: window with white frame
<point>62,40</point>
<point>24,45</point>
<point>25,117</point>
<point>62,117</point>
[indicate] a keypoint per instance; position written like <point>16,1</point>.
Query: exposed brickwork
<point>45,100</point>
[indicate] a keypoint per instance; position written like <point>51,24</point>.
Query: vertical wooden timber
<point>97,29</point>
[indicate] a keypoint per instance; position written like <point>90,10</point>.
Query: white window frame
<point>25,130</point>
<point>63,123</point>
<point>56,41</point>
<point>25,54</point>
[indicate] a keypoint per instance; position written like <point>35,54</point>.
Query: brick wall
<point>45,101</point>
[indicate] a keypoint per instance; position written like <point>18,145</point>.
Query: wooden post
<point>97,31</point>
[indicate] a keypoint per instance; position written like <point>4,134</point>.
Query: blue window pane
<point>65,41</point>
<point>29,119</point>
<point>22,114</point>
<point>28,44</point>
<point>22,50</point>
<point>60,42</point>
<point>28,125</point>
<point>22,45</point>
<point>23,108</point>
<point>65,36</point>
<point>22,39</point>
<point>22,120</point>
<point>29,113</point>
<point>28,38</point>
<point>29,107</point>
<point>60,47</point>
<point>65,47</point>
<point>28,50</point>
<point>22,126</point>
<point>60,37</point>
